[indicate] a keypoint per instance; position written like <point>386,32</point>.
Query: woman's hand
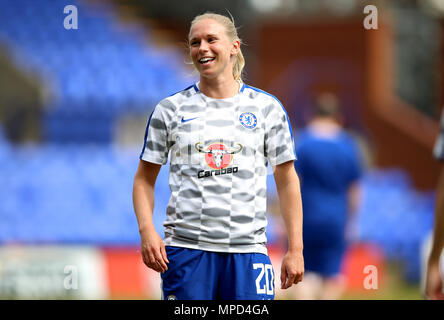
<point>153,251</point>
<point>292,269</point>
<point>433,288</point>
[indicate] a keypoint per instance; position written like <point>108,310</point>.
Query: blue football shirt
<point>327,166</point>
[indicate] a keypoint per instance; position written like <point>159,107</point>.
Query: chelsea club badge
<point>248,120</point>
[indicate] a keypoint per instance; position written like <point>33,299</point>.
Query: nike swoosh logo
<point>186,120</point>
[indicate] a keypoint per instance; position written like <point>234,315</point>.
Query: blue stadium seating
<point>103,68</point>
<point>396,217</point>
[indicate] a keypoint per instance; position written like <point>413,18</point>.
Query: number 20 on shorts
<point>266,271</point>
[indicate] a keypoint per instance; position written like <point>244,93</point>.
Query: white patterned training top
<point>219,150</point>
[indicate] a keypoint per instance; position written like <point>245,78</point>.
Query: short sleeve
<point>156,147</point>
<point>438,151</point>
<point>279,141</point>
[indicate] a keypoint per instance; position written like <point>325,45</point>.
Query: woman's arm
<point>288,188</point>
<point>152,246</point>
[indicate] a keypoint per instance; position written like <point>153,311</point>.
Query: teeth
<point>203,60</point>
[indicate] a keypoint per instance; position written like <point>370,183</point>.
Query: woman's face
<point>211,49</point>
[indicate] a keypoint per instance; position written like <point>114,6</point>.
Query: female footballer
<point>219,135</point>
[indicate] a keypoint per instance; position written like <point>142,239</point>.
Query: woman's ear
<point>235,48</point>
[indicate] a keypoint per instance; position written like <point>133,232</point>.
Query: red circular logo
<point>217,156</point>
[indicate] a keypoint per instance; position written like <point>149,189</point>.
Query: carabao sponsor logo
<point>218,155</point>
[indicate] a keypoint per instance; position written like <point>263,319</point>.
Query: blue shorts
<point>204,275</point>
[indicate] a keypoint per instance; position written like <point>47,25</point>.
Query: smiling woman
<point>219,134</point>
<point>214,47</point>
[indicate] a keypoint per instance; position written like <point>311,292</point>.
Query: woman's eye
<point>194,43</point>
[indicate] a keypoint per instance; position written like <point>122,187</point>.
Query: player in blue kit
<point>219,135</point>
<point>329,167</point>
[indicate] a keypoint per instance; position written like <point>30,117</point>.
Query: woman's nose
<point>203,46</point>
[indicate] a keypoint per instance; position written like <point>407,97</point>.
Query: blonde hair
<point>231,32</point>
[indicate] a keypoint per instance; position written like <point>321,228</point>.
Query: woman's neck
<point>219,88</point>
